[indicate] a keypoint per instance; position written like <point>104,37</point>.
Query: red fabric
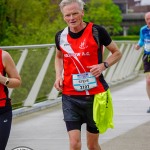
<point>2,91</point>
<point>2,103</point>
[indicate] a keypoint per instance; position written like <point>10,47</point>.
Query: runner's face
<point>147,19</point>
<point>73,15</point>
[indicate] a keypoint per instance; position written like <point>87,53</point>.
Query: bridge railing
<point>129,65</point>
<point>126,69</point>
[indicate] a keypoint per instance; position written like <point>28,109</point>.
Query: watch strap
<point>106,64</point>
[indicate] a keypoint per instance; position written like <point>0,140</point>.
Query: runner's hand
<point>96,70</point>
<point>59,84</point>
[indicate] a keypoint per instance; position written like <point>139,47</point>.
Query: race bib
<point>147,47</point>
<point>84,81</point>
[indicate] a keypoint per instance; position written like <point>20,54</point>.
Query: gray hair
<point>67,2</point>
<point>146,14</point>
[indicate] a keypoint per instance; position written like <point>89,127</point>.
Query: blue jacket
<point>145,39</point>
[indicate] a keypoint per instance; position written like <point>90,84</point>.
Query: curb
<point>36,107</point>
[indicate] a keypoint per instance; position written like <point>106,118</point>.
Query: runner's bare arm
<point>115,56</point>
<point>59,70</point>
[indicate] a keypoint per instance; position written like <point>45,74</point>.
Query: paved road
<point>45,129</point>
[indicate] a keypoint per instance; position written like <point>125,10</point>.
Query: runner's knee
<point>75,144</point>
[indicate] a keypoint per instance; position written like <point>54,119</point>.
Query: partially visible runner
<point>145,41</point>
<point>9,78</point>
<point>79,65</point>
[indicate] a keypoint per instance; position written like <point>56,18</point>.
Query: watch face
<point>7,82</point>
<point>106,64</point>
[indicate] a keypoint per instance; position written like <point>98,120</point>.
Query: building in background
<point>133,6</point>
<point>123,5</point>
<point>133,12</point>
<point>140,6</point>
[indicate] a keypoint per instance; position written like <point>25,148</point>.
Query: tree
<point>28,22</point>
<point>104,13</point>
<point>25,22</point>
<point>3,18</point>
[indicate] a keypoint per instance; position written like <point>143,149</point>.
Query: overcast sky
<point>145,2</point>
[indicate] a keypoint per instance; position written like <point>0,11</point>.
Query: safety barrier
<point>127,68</point>
<point>129,65</point>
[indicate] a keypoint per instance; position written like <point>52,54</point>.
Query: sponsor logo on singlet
<point>83,44</point>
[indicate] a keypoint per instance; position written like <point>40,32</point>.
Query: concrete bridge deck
<point>45,129</point>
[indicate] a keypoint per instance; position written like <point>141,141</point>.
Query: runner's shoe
<point>148,110</point>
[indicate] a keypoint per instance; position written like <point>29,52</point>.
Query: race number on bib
<point>84,81</point>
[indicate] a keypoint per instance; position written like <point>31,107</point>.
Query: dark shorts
<point>5,127</point>
<point>146,62</point>
<point>78,110</point>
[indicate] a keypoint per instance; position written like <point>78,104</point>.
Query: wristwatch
<point>106,64</point>
<point>6,82</point>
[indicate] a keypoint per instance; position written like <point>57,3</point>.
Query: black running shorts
<point>5,127</point>
<point>78,110</point>
<point>146,62</point>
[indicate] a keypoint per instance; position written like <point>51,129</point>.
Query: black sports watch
<point>106,64</point>
<point>6,82</point>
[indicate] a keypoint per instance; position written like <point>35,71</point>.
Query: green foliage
<point>24,22</point>
<point>134,30</point>
<point>104,13</point>
<point>129,37</point>
<point>3,22</point>
<point>29,22</point>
